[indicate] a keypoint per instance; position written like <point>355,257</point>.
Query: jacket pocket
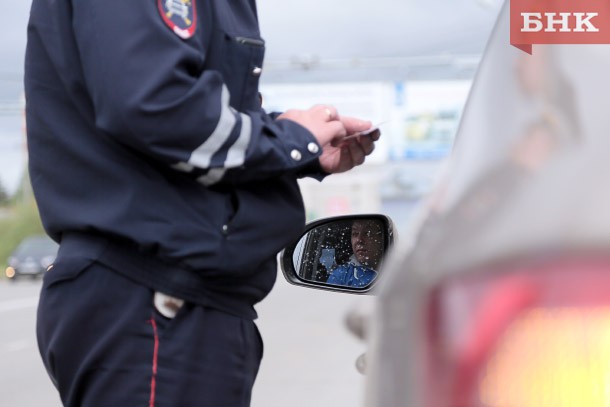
<point>65,269</point>
<point>242,66</point>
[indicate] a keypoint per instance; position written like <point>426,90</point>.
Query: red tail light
<point>532,336</point>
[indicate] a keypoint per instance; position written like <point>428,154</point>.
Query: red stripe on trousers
<point>153,380</point>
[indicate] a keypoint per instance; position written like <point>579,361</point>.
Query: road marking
<point>13,305</point>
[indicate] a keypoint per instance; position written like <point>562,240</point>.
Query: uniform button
<point>225,229</point>
<point>313,148</point>
<point>296,155</point>
<point>257,71</point>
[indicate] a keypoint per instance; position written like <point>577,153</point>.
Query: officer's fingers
<point>327,113</point>
<point>354,125</point>
<point>357,153</point>
<point>337,130</point>
<point>328,133</point>
<point>368,147</point>
<point>375,135</point>
<point>367,144</point>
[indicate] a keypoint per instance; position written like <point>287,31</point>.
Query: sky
<point>381,28</point>
<point>13,22</point>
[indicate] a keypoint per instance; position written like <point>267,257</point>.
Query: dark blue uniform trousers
<point>104,344</point>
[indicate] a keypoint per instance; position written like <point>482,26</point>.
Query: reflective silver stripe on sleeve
<point>212,177</point>
<point>202,155</point>
<point>237,152</point>
<point>183,167</point>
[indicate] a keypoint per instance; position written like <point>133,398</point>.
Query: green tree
<point>4,197</point>
<point>24,190</point>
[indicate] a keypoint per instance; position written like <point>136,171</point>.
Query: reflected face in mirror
<point>344,253</point>
<point>367,242</point>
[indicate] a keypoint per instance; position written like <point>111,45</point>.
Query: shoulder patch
<point>180,16</point>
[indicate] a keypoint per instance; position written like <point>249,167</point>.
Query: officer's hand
<point>342,155</point>
<point>322,121</point>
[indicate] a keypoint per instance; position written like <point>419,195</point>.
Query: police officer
<point>170,191</point>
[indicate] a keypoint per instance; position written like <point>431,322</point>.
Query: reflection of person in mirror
<point>367,246</point>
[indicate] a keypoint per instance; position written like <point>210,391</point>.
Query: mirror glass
<point>344,253</point>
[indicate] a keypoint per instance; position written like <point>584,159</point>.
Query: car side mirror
<point>342,253</point>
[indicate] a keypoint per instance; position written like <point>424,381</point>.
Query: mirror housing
<point>341,253</point>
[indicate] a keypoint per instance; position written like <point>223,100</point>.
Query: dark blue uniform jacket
<point>150,152</point>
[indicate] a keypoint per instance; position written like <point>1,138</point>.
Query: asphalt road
<point>308,361</point>
<point>23,380</point>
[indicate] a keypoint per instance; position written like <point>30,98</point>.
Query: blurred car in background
<point>32,257</point>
